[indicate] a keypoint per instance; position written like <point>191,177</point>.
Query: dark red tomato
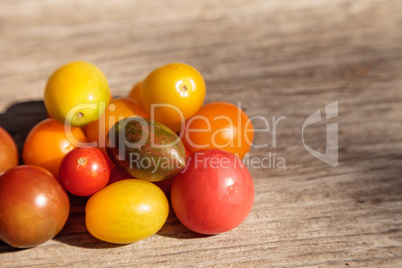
<point>214,193</point>
<point>165,185</point>
<point>118,174</point>
<point>33,206</point>
<point>84,171</point>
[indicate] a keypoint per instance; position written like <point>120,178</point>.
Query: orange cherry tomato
<point>118,109</point>
<point>48,142</point>
<point>135,93</point>
<point>172,93</point>
<point>219,125</point>
<point>8,151</point>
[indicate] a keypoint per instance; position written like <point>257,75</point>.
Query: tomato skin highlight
<point>33,206</point>
<point>126,211</point>
<point>84,171</point>
<point>214,193</point>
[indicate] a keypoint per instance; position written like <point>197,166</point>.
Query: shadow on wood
<point>20,118</point>
<point>74,232</point>
<point>173,228</point>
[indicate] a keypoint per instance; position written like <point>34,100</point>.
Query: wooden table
<point>278,58</point>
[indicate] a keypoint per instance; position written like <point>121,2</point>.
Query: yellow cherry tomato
<point>118,109</point>
<point>76,93</point>
<point>126,211</point>
<point>172,93</point>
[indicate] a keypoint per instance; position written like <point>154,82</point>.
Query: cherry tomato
<point>76,93</point>
<point>166,184</point>
<point>118,174</point>
<point>135,93</point>
<point>8,151</point>
<point>219,125</point>
<point>48,142</point>
<point>84,171</point>
<point>118,109</point>
<point>214,193</point>
<point>33,206</point>
<point>177,88</point>
<point>126,211</point>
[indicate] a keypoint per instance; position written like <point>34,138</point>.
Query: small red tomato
<point>84,171</point>
<point>214,193</point>
<point>33,206</point>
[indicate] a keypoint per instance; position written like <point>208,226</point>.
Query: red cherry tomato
<point>214,193</point>
<point>84,171</point>
<point>33,206</point>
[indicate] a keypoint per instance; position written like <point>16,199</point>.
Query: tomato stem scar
<point>82,161</point>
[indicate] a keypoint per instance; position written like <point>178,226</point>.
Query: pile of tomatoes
<point>67,152</point>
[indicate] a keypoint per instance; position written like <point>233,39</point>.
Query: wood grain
<point>278,58</point>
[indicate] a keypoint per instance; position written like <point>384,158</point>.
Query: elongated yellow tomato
<point>126,211</point>
<point>172,93</point>
<point>76,93</point>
